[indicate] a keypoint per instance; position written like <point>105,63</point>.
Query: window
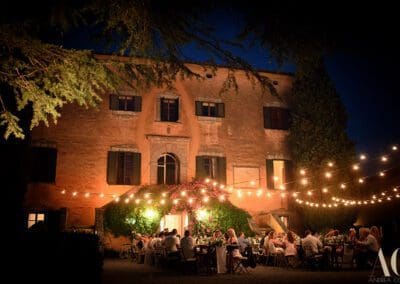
<point>276,118</point>
<point>210,109</point>
<point>169,109</point>
<point>43,166</point>
<point>211,167</point>
<point>33,218</point>
<point>279,173</point>
<point>123,168</point>
<point>168,169</point>
<point>126,103</point>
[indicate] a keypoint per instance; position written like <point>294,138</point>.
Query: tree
<point>44,76</point>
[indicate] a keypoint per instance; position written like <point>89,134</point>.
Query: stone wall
<point>83,138</point>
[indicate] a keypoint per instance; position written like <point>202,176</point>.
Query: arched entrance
<point>168,169</point>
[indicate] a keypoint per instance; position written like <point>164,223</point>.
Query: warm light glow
<point>150,214</point>
<point>317,205</point>
<point>324,205</point>
<point>282,187</point>
<point>206,199</point>
<point>149,201</point>
<point>382,174</point>
<point>356,167</point>
<point>268,194</point>
<point>183,193</point>
<point>202,214</point>
<point>374,196</point>
<point>384,159</point>
<point>131,195</point>
<point>87,194</point>
<point>190,200</point>
<point>304,181</point>
<point>328,174</point>
<point>249,193</point>
<point>137,201</point>
<point>276,178</point>
<point>63,191</point>
<point>207,180</point>
<point>343,186</point>
<point>164,194</point>
<point>329,205</point>
<point>221,198</point>
<point>363,157</point>
<point>325,190</point>
<point>335,205</point>
<point>330,164</point>
<point>252,183</point>
<point>162,201</point>
<point>101,195</point>
<point>360,180</point>
<point>395,189</point>
<point>239,193</point>
<point>147,195</point>
<point>126,200</point>
<point>388,198</point>
<point>383,193</point>
<point>394,148</point>
<point>294,194</point>
<point>74,193</point>
<point>259,192</point>
<point>398,195</point>
<point>117,199</point>
<point>203,191</point>
<point>222,186</point>
<point>214,183</point>
<point>372,202</point>
<point>175,201</point>
<point>379,200</point>
<point>302,172</point>
<point>283,194</point>
<point>309,192</point>
<point>230,189</point>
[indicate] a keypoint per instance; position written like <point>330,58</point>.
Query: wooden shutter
<point>163,110</point>
<point>198,108</point>
<point>138,103</point>
<point>114,102</point>
<point>289,174</point>
<point>286,119</point>
<point>175,116</point>
<point>220,110</point>
<point>200,171</point>
<point>270,174</point>
<point>136,168</point>
<point>221,170</point>
<point>112,167</point>
<point>267,117</point>
<point>52,164</point>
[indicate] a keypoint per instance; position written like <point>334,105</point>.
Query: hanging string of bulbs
<point>386,195</point>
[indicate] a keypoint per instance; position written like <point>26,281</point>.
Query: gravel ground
<point>124,272</point>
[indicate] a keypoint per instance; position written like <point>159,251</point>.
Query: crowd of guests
<point>363,246</point>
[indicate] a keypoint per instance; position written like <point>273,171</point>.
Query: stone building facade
<point>161,135</point>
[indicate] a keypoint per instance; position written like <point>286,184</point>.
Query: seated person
<point>274,245</point>
<point>171,242</point>
<point>187,245</point>
<point>243,242</point>
<point>311,244</point>
<point>367,248</point>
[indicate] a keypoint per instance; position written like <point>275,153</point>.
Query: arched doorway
<point>168,169</point>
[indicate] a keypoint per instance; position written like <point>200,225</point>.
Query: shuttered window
<point>126,103</point>
<point>43,164</point>
<point>210,109</point>
<point>169,109</point>
<point>276,118</point>
<point>211,167</point>
<point>279,172</point>
<point>123,168</point>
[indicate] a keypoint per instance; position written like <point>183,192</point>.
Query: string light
<point>394,148</point>
<point>304,181</point>
<point>164,194</point>
<point>162,201</point>
<point>384,159</point>
<point>214,183</point>
<point>252,183</point>
<point>206,199</point>
<point>309,192</point>
<point>74,193</point>
<point>302,172</point>
<point>87,194</point>
<point>137,201</point>
<point>131,195</point>
<point>190,200</point>
<point>363,157</point>
<point>126,200</point>
<point>343,186</point>
<point>325,190</point>
<point>356,167</point>
<point>360,180</point>
<point>330,164</point>
<point>221,198</point>
<point>276,178</point>
<point>117,199</point>
<point>175,201</point>
<point>222,186</point>
<point>328,174</point>
<point>63,191</point>
<point>101,195</point>
<point>183,193</point>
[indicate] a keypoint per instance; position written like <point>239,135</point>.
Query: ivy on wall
<point>210,209</point>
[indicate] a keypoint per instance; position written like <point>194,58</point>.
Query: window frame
<point>36,219</point>
<point>164,166</point>
<point>172,115</point>
<point>277,118</point>
<point>136,104</point>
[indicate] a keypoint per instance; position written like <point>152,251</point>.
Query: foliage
<point>122,218</point>
<point>45,76</point>
<point>322,219</point>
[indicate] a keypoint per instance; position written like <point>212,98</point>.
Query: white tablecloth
<point>221,259</point>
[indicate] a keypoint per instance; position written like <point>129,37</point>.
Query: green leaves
<point>10,122</point>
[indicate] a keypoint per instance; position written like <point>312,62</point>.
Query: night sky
<point>365,72</point>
